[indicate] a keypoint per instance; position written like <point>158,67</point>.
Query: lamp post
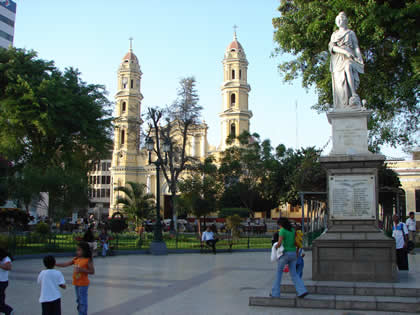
<point>158,246</point>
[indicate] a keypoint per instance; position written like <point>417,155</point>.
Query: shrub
<point>227,212</point>
<point>4,241</point>
<point>117,225</point>
<point>42,229</point>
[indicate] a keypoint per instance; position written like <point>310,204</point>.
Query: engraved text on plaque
<point>352,197</point>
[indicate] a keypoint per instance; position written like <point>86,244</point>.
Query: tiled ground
<point>174,284</point>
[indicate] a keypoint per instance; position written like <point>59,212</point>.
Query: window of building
<point>94,180</point>
<point>122,137</point>
<point>123,106</point>
<point>108,166</point>
<point>98,179</point>
<point>233,130</point>
<point>104,166</point>
<point>108,193</point>
<point>103,180</point>
<point>132,84</point>
<point>108,180</point>
<point>103,193</point>
<point>233,74</point>
<point>417,195</point>
<point>232,99</point>
<point>93,193</point>
<point>240,74</point>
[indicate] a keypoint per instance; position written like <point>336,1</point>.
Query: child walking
<point>83,266</point>
<point>5,267</point>
<point>51,281</point>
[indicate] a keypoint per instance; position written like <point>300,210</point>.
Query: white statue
<point>345,66</point>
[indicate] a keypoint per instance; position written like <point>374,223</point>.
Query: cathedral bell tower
<point>128,108</point>
<point>235,116</point>
<point>126,155</point>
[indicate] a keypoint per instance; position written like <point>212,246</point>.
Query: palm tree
<point>137,204</point>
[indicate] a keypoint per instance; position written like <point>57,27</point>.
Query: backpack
<point>299,239</point>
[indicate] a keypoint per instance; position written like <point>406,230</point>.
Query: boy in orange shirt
<point>83,266</point>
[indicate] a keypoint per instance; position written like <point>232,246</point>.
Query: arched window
<point>122,136</point>
<point>233,130</point>
<point>240,74</point>
<point>232,99</point>
<point>132,84</point>
<point>123,106</point>
<point>233,74</point>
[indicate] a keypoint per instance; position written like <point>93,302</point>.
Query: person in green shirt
<point>289,257</point>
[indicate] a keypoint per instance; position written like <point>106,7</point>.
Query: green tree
<point>200,191</point>
<point>26,186</point>
<point>51,121</point>
<point>4,166</point>
<point>248,172</point>
<point>138,205</point>
<point>388,36</point>
<point>181,118</point>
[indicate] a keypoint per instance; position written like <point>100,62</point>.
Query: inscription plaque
<point>352,197</point>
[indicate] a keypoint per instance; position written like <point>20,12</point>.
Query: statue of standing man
<point>345,66</point>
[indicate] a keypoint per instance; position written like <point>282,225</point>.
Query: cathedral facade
<point>130,160</point>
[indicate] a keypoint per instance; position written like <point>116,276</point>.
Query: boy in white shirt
<point>51,281</point>
<point>400,234</point>
<point>411,226</point>
<point>5,267</point>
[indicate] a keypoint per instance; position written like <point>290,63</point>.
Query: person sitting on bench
<point>208,237</point>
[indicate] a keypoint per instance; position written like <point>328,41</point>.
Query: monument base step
<point>357,289</point>
<point>341,302</point>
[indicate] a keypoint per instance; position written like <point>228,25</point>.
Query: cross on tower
<point>131,43</point>
<point>235,27</point>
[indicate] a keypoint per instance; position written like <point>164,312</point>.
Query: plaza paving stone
<point>173,284</point>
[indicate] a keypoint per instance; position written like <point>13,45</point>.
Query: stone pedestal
<point>349,132</point>
<point>353,248</point>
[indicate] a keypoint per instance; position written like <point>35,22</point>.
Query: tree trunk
<point>199,226</point>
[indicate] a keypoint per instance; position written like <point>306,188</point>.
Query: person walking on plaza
<point>208,237</point>
<point>412,228</point>
<point>400,234</point>
<point>5,267</point>
<point>51,281</point>
<point>104,238</point>
<point>83,266</point>
<point>89,238</point>
<point>289,257</point>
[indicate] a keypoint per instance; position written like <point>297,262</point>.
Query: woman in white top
<point>5,266</point>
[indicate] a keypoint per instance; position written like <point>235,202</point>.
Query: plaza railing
<point>26,243</point>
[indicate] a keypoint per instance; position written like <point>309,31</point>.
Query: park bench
<point>203,244</point>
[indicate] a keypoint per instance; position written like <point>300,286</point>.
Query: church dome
<point>234,45</point>
<point>130,56</point>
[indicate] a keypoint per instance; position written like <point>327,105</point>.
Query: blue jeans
<point>299,267</point>
<point>290,259</point>
<point>104,249</point>
<point>82,299</point>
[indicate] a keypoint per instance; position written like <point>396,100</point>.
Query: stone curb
<point>363,303</point>
<point>142,252</point>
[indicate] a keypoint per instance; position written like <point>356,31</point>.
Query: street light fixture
<point>158,246</point>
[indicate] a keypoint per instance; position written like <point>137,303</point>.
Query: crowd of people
<point>290,257</point>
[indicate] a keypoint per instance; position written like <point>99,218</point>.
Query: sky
<point>172,40</point>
